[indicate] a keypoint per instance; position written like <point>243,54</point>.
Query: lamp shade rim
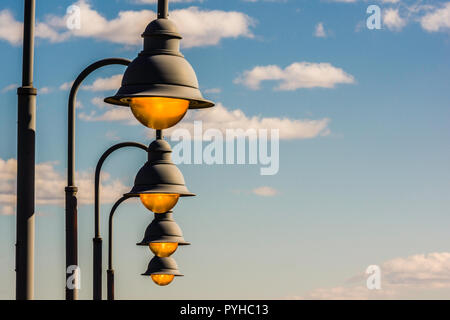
<point>194,103</point>
<point>145,244</point>
<point>180,190</point>
<point>169,273</point>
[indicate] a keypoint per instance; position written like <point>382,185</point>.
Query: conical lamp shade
<point>159,175</point>
<point>160,70</point>
<point>163,266</point>
<point>163,229</point>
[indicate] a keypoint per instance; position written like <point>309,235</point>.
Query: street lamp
<point>162,270</point>
<point>26,143</point>
<point>163,236</point>
<point>159,87</point>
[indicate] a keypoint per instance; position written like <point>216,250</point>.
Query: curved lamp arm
<point>97,267</point>
<point>71,190</point>
<point>98,170</point>
<point>72,112</point>
<point>110,243</point>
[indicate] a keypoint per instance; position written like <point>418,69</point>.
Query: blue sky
<point>364,160</point>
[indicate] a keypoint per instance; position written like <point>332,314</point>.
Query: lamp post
<point>71,189</point>
<point>159,87</point>
<point>97,241</point>
<point>160,235</point>
<point>159,184</point>
<point>26,163</point>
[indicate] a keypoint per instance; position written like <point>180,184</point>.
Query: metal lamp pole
<point>26,163</point>
<point>71,189</point>
<point>148,76</point>
<point>97,265</point>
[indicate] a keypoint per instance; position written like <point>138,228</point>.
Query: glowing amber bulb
<point>159,202</point>
<point>162,279</point>
<point>159,113</point>
<point>163,250</point>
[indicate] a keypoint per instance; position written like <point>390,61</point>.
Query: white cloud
<point>296,76</point>
<point>352,1</point>
<point>172,1</point>
<point>99,102</point>
<point>265,192</point>
<point>400,278</point>
<point>320,31</point>
<point>428,271</point>
<point>45,90</point>
<point>112,135</point>
<point>10,29</point>
<point>438,20</point>
<point>346,293</point>
<point>50,186</point>
<point>222,119</point>
<point>66,86</point>
<point>432,15</point>
<point>7,211</point>
<point>266,1</point>
<point>14,86</point>
<point>392,19</point>
<point>112,83</point>
<point>213,90</point>
<point>122,114</point>
<point>10,87</point>
<point>198,27</point>
<point>204,27</point>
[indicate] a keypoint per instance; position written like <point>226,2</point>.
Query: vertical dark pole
<point>26,163</point>
<point>71,240</point>
<point>110,279</point>
<point>71,207</point>
<point>71,200</point>
<point>97,268</point>
<point>110,272</point>
<point>97,265</point>
<point>163,9</point>
<point>71,191</point>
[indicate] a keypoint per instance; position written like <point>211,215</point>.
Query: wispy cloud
<point>392,19</point>
<point>66,86</point>
<point>105,84</point>
<point>213,90</point>
<point>10,29</point>
<point>265,192</point>
<point>199,27</point>
<point>320,31</point>
<point>221,118</point>
<point>50,186</point>
<point>121,114</point>
<point>298,75</point>
<point>437,20</point>
<point>399,277</point>
<point>10,87</point>
<point>156,1</point>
